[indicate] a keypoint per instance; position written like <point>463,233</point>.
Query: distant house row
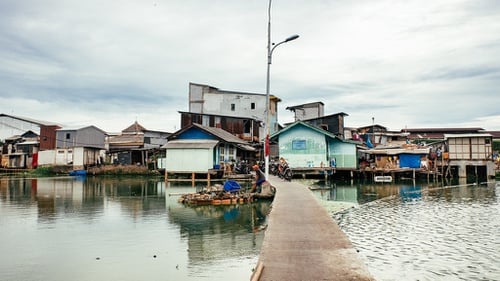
<point>48,144</point>
<point>224,127</point>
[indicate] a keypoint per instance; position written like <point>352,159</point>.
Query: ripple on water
<point>450,235</point>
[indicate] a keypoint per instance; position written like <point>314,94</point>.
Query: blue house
<point>198,148</point>
<point>304,145</point>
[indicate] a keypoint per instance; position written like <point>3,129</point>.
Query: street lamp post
<point>269,61</point>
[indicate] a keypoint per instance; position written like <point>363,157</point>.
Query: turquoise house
<point>303,145</point>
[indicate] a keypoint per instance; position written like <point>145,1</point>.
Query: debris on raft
<point>229,193</point>
<point>215,195</point>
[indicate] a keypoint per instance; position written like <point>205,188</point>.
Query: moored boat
<point>78,173</point>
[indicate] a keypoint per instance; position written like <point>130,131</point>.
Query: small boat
<point>383,179</point>
<point>78,173</point>
<point>267,192</point>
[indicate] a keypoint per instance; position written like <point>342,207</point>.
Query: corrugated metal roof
<point>396,151</point>
<point>216,132</point>
<point>67,129</point>
<point>30,120</point>
<point>220,115</point>
<point>246,147</point>
<point>126,139</point>
<point>222,134</point>
<point>495,134</point>
<point>28,143</point>
<point>305,124</point>
<point>447,136</point>
<point>134,128</point>
<point>441,130</point>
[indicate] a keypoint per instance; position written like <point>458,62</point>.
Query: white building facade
<point>204,99</point>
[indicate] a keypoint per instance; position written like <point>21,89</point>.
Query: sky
<point>399,64</point>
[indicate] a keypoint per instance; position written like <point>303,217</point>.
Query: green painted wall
<point>304,147</point>
<point>344,153</point>
<point>309,150</point>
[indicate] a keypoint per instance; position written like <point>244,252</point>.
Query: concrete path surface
<point>303,242</point>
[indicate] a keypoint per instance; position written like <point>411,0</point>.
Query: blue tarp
<point>368,142</point>
<point>231,186</point>
<point>409,161</point>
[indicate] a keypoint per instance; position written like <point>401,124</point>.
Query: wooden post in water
<point>475,170</point>
<point>192,179</point>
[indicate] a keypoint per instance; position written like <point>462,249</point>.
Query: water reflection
<point>211,229</point>
<point>421,231</point>
<point>109,227</point>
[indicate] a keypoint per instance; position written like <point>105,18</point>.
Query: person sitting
<point>260,178</point>
<point>281,166</point>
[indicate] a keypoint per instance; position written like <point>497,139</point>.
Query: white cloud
<point>406,63</point>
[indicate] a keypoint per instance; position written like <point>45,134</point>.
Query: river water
<point>420,231</point>
<point>122,229</point>
<point>107,228</point>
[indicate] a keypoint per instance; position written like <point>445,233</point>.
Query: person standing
<point>260,178</point>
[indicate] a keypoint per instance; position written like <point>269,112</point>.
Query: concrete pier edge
<point>303,242</point>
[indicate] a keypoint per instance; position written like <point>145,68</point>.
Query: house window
<point>221,153</point>
<point>231,153</point>
<point>252,105</point>
<point>233,107</point>
<point>247,124</point>
<point>68,136</point>
<point>299,145</point>
<point>206,120</point>
<point>218,122</point>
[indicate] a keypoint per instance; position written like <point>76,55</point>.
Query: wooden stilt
<point>192,179</point>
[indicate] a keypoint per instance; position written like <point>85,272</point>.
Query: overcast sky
<point>411,63</point>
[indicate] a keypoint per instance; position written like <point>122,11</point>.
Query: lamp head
<point>293,37</point>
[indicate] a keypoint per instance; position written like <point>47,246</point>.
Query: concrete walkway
<point>303,242</point>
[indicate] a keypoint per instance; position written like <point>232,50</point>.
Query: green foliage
<point>496,145</point>
<point>121,170</point>
<point>43,171</point>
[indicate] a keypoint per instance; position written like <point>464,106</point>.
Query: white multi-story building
<point>216,106</point>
